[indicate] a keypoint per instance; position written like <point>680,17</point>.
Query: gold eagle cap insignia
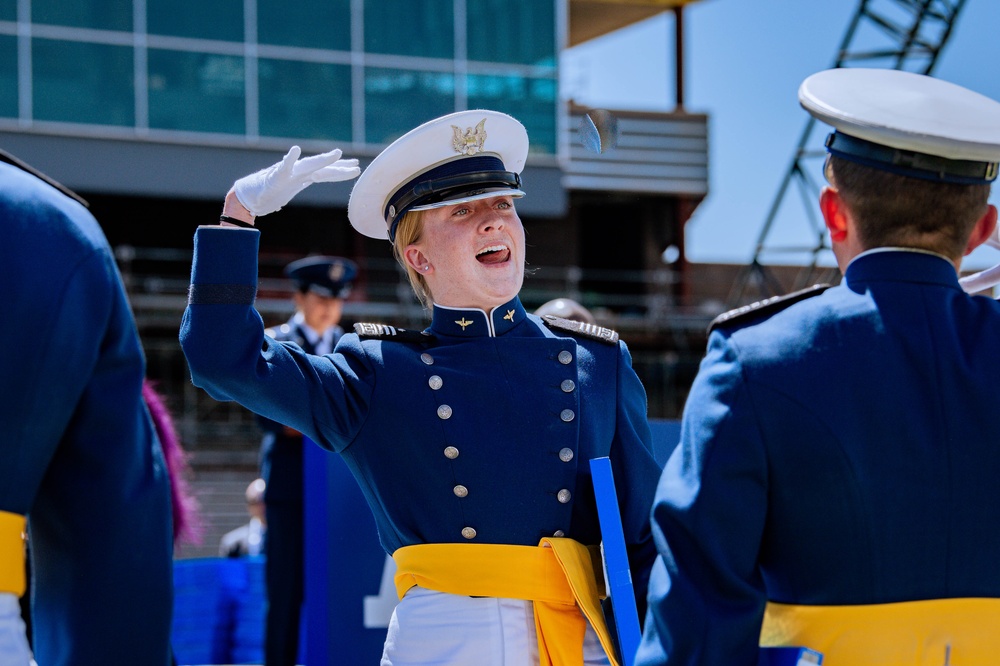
<point>470,140</point>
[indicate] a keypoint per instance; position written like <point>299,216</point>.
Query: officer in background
<point>835,486</point>
<point>248,540</point>
<point>321,285</point>
<point>79,455</point>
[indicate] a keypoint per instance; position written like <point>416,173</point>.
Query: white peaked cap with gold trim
<point>456,158</point>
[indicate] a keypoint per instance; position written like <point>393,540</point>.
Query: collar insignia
<point>463,322</point>
<point>509,316</point>
<point>470,141</point>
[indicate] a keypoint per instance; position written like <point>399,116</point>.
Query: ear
<point>834,214</point>
<point>983,229</point>
<point>415,258</point>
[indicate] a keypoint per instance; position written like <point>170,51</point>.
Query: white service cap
<point>459,157</point>
<point>906,123</point>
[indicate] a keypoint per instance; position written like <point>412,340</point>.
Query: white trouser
<point>14,650</point>
<point>431,627</point>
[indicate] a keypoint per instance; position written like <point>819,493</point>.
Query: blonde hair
<point>408,231</point>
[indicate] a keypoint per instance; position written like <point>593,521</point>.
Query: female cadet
<point>471,439</point>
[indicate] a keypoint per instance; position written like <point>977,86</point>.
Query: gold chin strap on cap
<point>12,539</point>
<point>559,575</point>
<point>933,632</point>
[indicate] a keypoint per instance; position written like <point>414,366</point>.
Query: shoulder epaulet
<point>767,307</point>
<point>386,332</point>
<point>23,166</point>
<point>581,328</point>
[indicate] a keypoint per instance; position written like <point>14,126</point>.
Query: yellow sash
<point>12,534</point>
<point>961,632</point>
<point>557,576</point>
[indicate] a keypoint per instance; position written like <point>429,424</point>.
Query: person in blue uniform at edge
<point>80,456</point>
<point>471,439</point>
<point>321,285</point>
<point>835,486</point>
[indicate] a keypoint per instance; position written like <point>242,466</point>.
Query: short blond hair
<point>408,231</point>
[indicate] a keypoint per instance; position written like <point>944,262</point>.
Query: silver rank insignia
<point>581,328</point>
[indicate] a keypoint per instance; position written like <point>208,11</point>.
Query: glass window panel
<point>100,14</point>
<point>8,10</point>
<point>526,35</point>
<point>205,19</point>
<point>410,27</point>
<point>321,24</point>
<point>199,92</point>
<point>305,100</point>
<point>82,83</point>
<point>396,101</point>
<point>532,101</point>
<point>8,76</point>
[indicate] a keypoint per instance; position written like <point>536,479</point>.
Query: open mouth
<point>494,254</point>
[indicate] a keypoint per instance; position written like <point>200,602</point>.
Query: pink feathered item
<point>188,525</point>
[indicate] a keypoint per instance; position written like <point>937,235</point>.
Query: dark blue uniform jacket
<point>845,450</point>
<point>78,451</point>
<point>487,425</point>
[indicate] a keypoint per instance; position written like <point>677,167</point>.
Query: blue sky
<point>744,63</point>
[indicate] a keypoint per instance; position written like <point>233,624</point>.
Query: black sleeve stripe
<point>221,294</point>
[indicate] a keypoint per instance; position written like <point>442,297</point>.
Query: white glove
<point>976,282</point>
<point>994,239</point>
<point>14,648</point>
<point>269,189</point>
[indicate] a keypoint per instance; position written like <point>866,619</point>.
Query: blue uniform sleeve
<point>324,397</point>
<point>706,593</point>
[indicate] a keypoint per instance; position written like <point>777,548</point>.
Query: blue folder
<point>616,569</point>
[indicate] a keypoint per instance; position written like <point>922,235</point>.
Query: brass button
<point>450,452</point>
<point>435,382</point>
<point>564,496</point>
<point>444,412</point>
<point>566,454</point>
<point>558,533</point>
<point>567,385</point>
<point>461,491</point>
<point>566,415</point>
<point>469,532</point>
<point>565,357</point>
<point>427,358</point>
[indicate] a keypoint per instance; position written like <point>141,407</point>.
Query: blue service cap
<point>905,123</point>
<point>330,277</point>
<point>456,158</point>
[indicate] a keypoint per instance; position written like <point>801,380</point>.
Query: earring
<point>426,268</point>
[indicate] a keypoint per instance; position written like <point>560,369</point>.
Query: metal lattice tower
<point>896,34</point>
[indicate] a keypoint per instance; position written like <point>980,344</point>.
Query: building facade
<point>151,108</point>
